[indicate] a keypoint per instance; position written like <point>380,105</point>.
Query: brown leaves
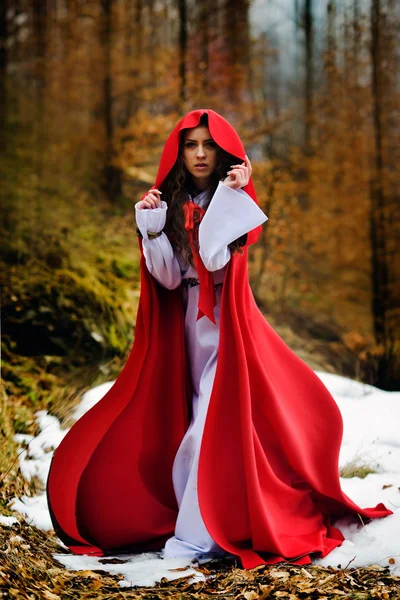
<point>29,572</point>
<point>50,596</point>
<point>291,582</point>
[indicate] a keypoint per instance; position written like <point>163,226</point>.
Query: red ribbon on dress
<point>207,299</point>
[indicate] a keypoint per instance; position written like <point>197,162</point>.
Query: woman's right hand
<point>151,200</point>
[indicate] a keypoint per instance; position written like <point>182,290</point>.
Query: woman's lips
<point>201,166</point>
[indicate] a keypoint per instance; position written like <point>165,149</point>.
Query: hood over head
<point>223,133</point>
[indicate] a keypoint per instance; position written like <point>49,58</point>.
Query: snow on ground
<point>7,521</point>
<point>138,569</point>
<point>34,461</point>
<point>371,437</point>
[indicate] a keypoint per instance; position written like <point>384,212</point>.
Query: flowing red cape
<point>268,481</point>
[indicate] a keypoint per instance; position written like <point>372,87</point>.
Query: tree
<point>385,297</point>
<point>112,174</point>
<point>182,50</point>
<point>3,71</point>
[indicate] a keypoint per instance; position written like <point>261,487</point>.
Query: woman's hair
<point>176,187</point>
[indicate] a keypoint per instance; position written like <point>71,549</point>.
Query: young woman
<point>215,437</point>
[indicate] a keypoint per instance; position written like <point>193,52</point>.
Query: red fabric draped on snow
<point>110,483</point>
<point>268,469</point>
<point>268,472</point>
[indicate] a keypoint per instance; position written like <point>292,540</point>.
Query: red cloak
<point>268,480</point>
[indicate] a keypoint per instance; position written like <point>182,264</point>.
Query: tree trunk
<point>182,51</point>
<point>3,73</point>
<point>302,174</point>
<point>112,175</point>
<point>40,33</point>
<point>380,300</point>
<point>309,74</point>
<point>237,42</point>
<point>205,43</point>
<point>132,52</point>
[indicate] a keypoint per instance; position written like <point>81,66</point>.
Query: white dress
<point>230,214</point>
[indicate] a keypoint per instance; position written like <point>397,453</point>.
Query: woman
<point>215,436</point>
<point>200,164</point>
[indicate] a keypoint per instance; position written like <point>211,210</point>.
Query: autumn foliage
<point>89,91</point>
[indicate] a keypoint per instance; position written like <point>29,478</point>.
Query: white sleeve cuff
<point>230,214</point>
<point>150,219</point>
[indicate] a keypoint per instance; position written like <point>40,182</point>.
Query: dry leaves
<point>29,572</point>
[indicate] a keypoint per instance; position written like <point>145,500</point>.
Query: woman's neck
<point>201,184</point>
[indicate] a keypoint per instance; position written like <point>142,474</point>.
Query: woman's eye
<point>211,144</point>
<point>189,144</point>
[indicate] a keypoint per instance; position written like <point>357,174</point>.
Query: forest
<point>89,91</point>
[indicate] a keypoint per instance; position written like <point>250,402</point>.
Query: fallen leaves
<point>33,574</point>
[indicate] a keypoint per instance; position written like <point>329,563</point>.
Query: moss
<point>56,313</point>
<point>124,269</point>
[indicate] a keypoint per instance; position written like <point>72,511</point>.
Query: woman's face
<point>200,155</point>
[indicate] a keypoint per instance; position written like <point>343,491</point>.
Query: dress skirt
<point>202,338</point>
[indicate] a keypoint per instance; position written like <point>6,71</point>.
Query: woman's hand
<point>151,200</point>
<point>239,175</point>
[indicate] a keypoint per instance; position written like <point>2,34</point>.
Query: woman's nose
<point>200,150</point>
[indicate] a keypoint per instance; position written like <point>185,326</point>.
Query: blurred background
<point>89,91</point>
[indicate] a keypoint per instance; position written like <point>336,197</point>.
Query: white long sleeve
<point>158,252</point>
<point>230,214</point>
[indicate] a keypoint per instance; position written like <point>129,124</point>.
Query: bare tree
<point>182,49</point>
<point>309,73</point>
<point>3,71</point>
<point>380,290</point>
<point>112,175</point>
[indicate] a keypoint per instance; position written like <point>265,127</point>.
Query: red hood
<point>223,134</point>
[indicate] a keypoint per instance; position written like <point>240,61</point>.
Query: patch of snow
<point>34,509</point>
<point>90,398</point>
<point>371,437</point>
<point>138,569</point>
<point>374,543</point>
<point>23,438</point>
<point>349,388</point>
<point>35,458</point>
<point>8,521</point>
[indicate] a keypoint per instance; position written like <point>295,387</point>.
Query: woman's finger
<point>144,204</point>
<point>242,167</point>
<point>150,202</point>
<point>243,171</point>
<point>238,175</point>
<point>154,199</point>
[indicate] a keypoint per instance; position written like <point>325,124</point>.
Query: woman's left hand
<point>239,175</point>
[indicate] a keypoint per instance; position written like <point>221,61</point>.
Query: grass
<point>354,469</point>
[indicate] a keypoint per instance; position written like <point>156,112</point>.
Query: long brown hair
<point>176,187</point>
